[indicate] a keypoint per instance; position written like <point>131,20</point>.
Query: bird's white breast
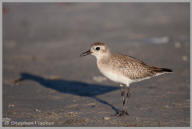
<point>113,74</point>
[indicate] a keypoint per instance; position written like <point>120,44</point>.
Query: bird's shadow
<point>72,87</point>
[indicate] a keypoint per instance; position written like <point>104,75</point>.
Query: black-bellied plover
<point>122,69</point>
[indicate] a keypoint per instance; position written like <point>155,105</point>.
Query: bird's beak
<point>86,53</point>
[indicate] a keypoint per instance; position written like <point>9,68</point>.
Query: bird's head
<point>97,49</point>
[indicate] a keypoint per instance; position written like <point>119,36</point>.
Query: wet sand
<point>42,44</point>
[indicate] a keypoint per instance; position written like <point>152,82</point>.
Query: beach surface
<point>47,83</point>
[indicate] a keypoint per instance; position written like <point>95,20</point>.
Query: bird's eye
<point>97,48</point>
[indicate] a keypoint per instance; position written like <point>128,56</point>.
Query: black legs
<point>125,93</point>
<point>123,96</point>
<point>123,90</point>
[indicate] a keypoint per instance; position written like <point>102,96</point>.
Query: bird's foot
<point>122,113</point>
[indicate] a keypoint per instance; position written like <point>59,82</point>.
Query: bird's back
<point>130,67</point>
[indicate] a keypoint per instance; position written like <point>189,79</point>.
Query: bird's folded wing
<point>133,68</point>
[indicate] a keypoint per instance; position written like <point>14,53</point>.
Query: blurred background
<point>45,79</point>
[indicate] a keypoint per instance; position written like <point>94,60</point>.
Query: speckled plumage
<point>129,66</point>
<point>124,66</point>
<point>122,69</point>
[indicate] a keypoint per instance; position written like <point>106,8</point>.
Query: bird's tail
<point>166,70</point>
<point>162,70</point>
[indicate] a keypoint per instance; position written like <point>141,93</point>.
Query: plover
<point>122,69</point>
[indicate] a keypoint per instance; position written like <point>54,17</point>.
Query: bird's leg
<point>123,95</point>
<point>128,94</point>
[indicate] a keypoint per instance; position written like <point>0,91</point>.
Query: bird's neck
<point>104,58</point>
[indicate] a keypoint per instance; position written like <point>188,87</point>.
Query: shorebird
<point>122,69</point>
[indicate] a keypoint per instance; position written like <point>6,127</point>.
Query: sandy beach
<point>47,83</point>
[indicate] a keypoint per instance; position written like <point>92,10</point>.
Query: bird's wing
<point>132,67</point>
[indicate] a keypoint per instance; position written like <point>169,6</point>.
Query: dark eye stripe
<point>97,48</point>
